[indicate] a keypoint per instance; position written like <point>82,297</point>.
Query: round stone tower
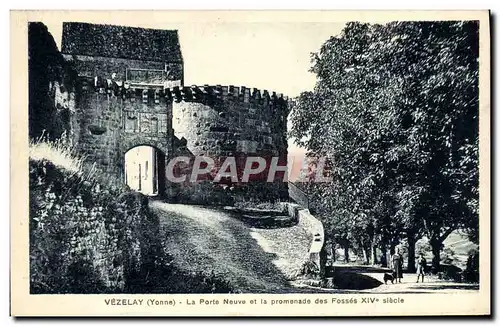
<point>240,122</point>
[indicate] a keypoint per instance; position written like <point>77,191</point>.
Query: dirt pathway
<point>260,260</point>
<point>211,239</point>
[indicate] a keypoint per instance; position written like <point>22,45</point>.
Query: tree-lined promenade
<point>395,110</point>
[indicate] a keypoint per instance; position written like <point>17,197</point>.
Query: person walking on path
<point>397,265</point>
<point>421,266</point>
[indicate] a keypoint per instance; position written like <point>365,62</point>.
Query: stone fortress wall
<point>230,121</point>
<point>207,120</point>
<point>227,120</point>
<point>112,120</point>
<point>128,91</point>
<point>120,101</point>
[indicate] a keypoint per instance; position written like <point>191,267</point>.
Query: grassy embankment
<point>96,236</point>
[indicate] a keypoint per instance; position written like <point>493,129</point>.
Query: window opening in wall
<point>154,125</point>
<point>131,123</point>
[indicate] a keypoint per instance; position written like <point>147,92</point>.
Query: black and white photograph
<point>308,159</point>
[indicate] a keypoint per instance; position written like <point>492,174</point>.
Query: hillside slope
<point>252,259</point>
<point>92,237</point>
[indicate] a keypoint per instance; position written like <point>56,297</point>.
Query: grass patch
<point>59,153</point>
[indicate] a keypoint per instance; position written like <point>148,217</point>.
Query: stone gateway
<point>127,99</point>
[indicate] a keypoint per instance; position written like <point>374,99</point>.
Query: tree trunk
<point>374,255</point>
<point>322,262</point>
<point>373,250</point>
<point>411,253</point>
<point>392,249</point>
<point>366,254</point>
<point>362,247</point>
<point>383,256</point>
<point>436,253</point>
<point>346,253</point>
<point>332,252</point>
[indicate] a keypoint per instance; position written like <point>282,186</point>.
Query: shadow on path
<point>261,219</point>
<point>357,269</point>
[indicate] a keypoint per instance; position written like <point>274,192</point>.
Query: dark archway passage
<point>145,170</point>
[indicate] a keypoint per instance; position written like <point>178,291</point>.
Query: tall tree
<point>395,110</point>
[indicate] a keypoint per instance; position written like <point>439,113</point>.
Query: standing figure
<point>397,265</point>
<point>421,266</point>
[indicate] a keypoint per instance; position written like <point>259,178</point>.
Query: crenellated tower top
<point>200,94</point>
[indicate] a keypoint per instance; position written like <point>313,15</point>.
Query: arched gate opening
<point>145,170</point>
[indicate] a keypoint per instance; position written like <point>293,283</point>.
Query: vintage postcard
<point>239,163</point>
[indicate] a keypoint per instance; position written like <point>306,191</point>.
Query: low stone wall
<point>315,229</point>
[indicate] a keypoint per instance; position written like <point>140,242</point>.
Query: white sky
<point>272,56</point>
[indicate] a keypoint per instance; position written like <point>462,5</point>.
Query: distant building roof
<point>121,42</point>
